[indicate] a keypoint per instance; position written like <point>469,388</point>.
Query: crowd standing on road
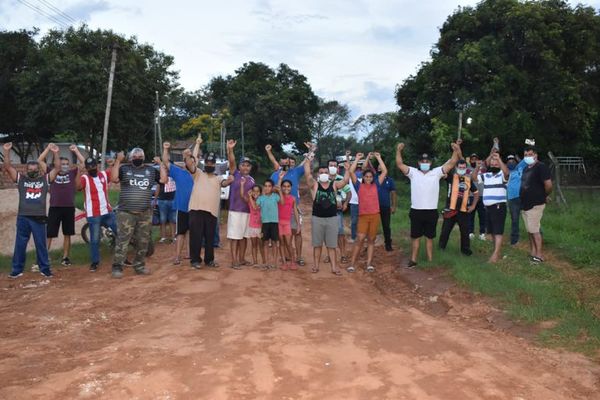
<point>267,218</point>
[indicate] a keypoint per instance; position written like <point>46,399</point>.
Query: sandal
<point>345,260</point>
<point>284,267</point>
<point>235,266</point>
<point>293,266</point>
<point>176,261</point>
<point>315,270</point>
<point>537,260</point>
<point>351,269</point>
<point>337,272</point>
<point>370,268</point>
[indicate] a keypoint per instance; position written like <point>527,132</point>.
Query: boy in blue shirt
<point>269,214</point>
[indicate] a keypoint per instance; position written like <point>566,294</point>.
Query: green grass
<point>113,198</point>
<point>533,294</point>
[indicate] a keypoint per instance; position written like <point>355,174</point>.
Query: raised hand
<point>120,156</point>
<point>359,156</point>
<point>370,155</point>
<point>73,148</point>
<point>7,146</point>
<point>166,145</point>
<point>53,148</point>
<point>455,146</point>
<point>400,147</point>
<point>309,145</point>
<point>459,141</point>
<point>268,147</point>
<point>231,144</point>
<point>281,174</point>
<point>199,139</point>
<point>377,154</point>
<point>156,160</point>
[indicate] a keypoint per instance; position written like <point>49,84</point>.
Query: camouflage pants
<point>136,226</point>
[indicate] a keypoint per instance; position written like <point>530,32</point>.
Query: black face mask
<point>32,174</point>
<point>473,165</point>
<point>137,162</point>
<point>285,167</point>
<point>209,169</point>
<point>93,172</point>
<point>494,170</point>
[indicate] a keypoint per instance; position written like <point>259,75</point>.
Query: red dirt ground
<point>251,334</point>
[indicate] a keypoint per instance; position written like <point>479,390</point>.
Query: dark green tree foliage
<point>520,70</point>
<point>328,123</point>
<point>277,106</point>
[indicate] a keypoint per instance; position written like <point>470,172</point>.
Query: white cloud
<point>354,51</point>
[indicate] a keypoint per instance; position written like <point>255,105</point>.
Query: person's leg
<point>370,251</point>
<point>482,221</point>
<point>242,246</point>
<point>416,242</point>
<point>196,235</point>
<point>386,217</point>
<point>233,253</point>
<point>66,246</point>
<point>331,252</point>
<point>20,250</point>
<point>38,231</point>
<point>462,219</point>
<point>497,248</point>
<point>515,212</point>
<point>429,248</point>
<point>353,220</point>
<point>317,252</point>
<point>538,242</point>
<point>125,228</point>
<point>94,226</point>
<point>358,244</point>
<point>447,227</point>
<point>210,228</point>
<point>472,220</point>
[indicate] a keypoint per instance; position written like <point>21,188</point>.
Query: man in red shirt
<point>97,207</point>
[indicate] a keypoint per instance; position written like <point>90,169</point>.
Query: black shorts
<point>423,223</point>
<point>183,222</point>
<point>58,216</point>
<point>495,216</point>
<point>270,231</point>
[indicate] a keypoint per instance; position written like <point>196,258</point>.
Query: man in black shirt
<point>536,185</point>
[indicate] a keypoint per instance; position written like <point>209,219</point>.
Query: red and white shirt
<point>96,194</point>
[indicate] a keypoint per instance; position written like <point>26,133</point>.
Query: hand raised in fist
<point>268,147</point>
<point>7,146</point>
<point>359,156</point>
<point>120,156</point>
<point>231,144</point>
<point>199,139</point>
<point>73,148</point>
<point>166,145</point>
<point>53,148</point>
<point>400,147</point>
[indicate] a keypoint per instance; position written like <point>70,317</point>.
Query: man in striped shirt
<point>494,199</point>
<point>97,207</point>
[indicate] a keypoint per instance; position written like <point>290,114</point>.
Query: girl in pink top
<point>254,222</point>
<point>368,209</point>
<point>287,209</point>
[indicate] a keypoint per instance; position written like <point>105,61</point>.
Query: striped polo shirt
<point>136,187</point>
<point>494,188</point>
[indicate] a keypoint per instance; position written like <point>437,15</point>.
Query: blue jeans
<point>167,212</point>
<point>353,220</point>
<point>26,227</point>
<point>514,207</point>
<point>107,220</point>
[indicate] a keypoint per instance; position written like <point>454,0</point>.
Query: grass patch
<point>531,294</point>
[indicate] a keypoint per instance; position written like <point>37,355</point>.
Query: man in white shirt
<point>424,196</point>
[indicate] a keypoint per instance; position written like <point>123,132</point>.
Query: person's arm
<point>310,181</point>
<point>269,150</point>
<point>394,200</point>
<point>456,155</point>
<point>166,158</point>
<point>384,170</point>
<point>42,159</point>
<point>474,203</point>
<point>346,201</point>
<point>80,158</point>
<point>227,181</point>
<point>164,174</point>
<point>503,167</point>
<point>297,216</point>
<point>231,155</point>
<point>493,150</point>
<point>547,178</point>
<point>197,152</point>
<point>352,171</point>
<point>114,170</point>
<point>370,166</point>
<point>476,171</point>
<point>12,172</point>
<point>56,159</point>
<point>399,161</point>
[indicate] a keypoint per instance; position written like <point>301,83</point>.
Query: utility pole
<point>459,124</point>
<point>111,78</point>
<point>157,124</point>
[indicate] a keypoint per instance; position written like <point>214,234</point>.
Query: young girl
<point>269,215</point>
<point>287,207</point>
<point>368,209</point>
<point>254,223</point>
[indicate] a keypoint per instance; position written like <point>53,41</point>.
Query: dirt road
<point>250,334</point>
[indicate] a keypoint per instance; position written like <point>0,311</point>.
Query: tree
<point>331,118</point>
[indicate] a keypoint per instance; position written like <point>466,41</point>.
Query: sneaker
<point>142,270</point>
<point>212,264</point>
<point>351,269</point>
<point>66,262</point>
<point>196,265</point>
<point>93,267</point>
<point>35,268</point>
<point>47,273</point>
<point>370,268</point>
<point>482,237</point>
<point>411,264</point>
<point>117,272</point>
<point>14,275</point>
<point>471,236</point>
<point>467,252</point>
<point>388,247</point>
<point>350,240</point>
<point>162,240</point>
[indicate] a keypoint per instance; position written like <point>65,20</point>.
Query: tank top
<point>255,221</point>
<point>32,195</point>
<point>286,209</point>
<point>324,204</point>
<point>368,199</point>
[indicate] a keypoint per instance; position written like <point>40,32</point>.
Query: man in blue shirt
<point>387,203</point>
<point>514,201</point>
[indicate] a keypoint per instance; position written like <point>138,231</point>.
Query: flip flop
<point>293,266</point>
<point>337,272</point>
<point>284,267</point>
<point>176,261</point>
<point>314,270</point>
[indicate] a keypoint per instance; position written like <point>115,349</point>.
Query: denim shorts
<point>167,212</point>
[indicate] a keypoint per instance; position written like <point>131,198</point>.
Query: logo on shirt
<point>33,190</point>
<point>62,179</point>
<point>140,183</point>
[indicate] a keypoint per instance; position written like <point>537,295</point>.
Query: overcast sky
<point>354,51</point>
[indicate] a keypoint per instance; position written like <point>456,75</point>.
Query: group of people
<point>267,218</point>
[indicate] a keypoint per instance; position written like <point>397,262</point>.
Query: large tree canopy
<point>519,70</point>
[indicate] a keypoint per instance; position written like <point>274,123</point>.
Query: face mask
<point>529,160</point>
<point>473,165</point>
<point>425,167</point>
<point>323,178</point>
<point>137,162</point>
<point>93,172</point>
<point>209,169</point>
<point>285,167</point>
<point>494,170</point>
<point>511,166</point>
<point>332,170</point>
<point>461,171</point>
<point>64,169</point>
<point>32,174</point>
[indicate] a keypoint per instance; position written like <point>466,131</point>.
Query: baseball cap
<point>210,157</point>
<point>511,157</point>
<point>424,156</point>
<point>90,162</point>
<point>474,155</point>
<point>245,160</point>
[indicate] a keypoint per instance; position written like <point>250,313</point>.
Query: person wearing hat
<point>239,210</point>
<point>98,210</point>
<point>515,169</point>
<point>204,210</point>
<point>424,196</point>
<point>134,218</point>
<point>475,162</point>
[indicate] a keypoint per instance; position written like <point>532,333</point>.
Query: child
<point>269,215</point>
<point>254,223</point>
<point>287,206</point>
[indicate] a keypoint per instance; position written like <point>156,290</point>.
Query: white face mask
<point>323,178</point>
<point>332,171</point>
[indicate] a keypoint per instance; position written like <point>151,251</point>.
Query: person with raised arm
<point>424,196</point>
<point>254,222</point>
<point>33,187</point>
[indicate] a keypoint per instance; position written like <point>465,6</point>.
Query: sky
<point>353,51</point>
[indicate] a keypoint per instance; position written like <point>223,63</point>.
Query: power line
<point>58,11</point>
<point>43,13</point>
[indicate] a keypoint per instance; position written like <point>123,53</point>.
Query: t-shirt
<point>167,190</point>
<point>269,208</point>
<point>206,193</point>
<point>533,192</point>
<point>388,186</point>
<point>62,190</point>
<point>95,191</point>
<point>293,175</point>
<point>494,188</point>
<point>136,187</point>
<point>236,202</point>
<point>342,194</point>
<point>32,195</point>
<point>456,194</point>
<point>255,219</point>
<point>514,180</point>
<point>286,209</point>
<point>184,182</point>
<point>368,197</point>
<point>354,199</point>
<point>424,188</point>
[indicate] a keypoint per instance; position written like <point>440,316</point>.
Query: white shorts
<point>254,233</point>
<point>237,225</point>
